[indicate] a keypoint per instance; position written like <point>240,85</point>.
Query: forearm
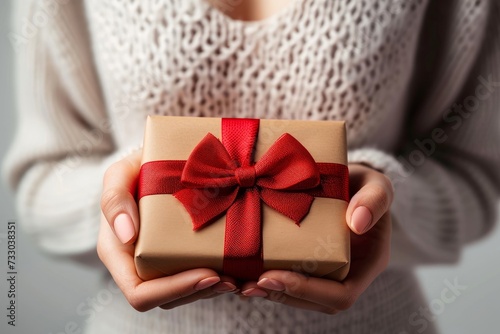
<point>58,202</point>
<point>438,207</point>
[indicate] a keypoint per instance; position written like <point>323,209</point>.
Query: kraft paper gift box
<point>202,206</point>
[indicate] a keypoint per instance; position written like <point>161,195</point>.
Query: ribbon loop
<point>287,165</point>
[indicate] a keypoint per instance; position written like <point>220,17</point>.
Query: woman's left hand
<point>368,216</point>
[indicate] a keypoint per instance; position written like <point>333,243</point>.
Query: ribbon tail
<point>205,205</point>
<point>293,205</point>
<point>243,241</point>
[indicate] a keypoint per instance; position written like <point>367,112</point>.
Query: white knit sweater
<point>418,82</point>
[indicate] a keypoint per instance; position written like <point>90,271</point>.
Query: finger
<point>226,284</point>
<point>371,252</point>
<point>326,293</point>
<point>282,298</point>
<point>332,294</point>
<point>251,289</point>
<point>117,200</point>
<point>204,294</point>
<point>143,296</point>
<point>370,202</point>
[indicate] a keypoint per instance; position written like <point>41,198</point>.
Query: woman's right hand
<point>115,247</point>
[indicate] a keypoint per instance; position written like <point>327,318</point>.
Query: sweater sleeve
<point>445,174</point>
<point>63,142</point>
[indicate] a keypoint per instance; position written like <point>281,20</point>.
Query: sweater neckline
<point>286,11</point>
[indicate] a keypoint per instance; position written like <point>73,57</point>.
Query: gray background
<point>50,290</point>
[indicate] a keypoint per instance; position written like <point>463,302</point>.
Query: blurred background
<point>51,291</point>
<point>48,290</point>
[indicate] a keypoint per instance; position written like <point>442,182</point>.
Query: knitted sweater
<point>417,81</point>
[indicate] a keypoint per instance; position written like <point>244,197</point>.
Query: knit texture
<point>417,81</point>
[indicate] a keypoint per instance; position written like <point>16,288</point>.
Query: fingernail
<point>222,287</point>
<point>361,219</point>
<point>254,292</point>
<point>124,228</point>
<point>206,283</point>
<point>271,284</point>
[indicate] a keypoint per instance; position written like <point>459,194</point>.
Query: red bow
<point>287,165</point>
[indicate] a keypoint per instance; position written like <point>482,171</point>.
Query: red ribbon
<point>222,178</point>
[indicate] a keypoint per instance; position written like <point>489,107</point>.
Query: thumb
<point>117,201</point>
<point>370,203</point>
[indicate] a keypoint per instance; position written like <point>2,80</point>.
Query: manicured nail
<point>124,228</point>
<point>271,284</point>
<point>254,292</point>
<point>206,283</point>
<point>222,287</point>
<point>361,219</point>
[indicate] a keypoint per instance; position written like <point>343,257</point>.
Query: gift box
<point>242,196</point>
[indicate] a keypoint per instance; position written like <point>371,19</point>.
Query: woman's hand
<point>115,246</point>
<point>369,219</point>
